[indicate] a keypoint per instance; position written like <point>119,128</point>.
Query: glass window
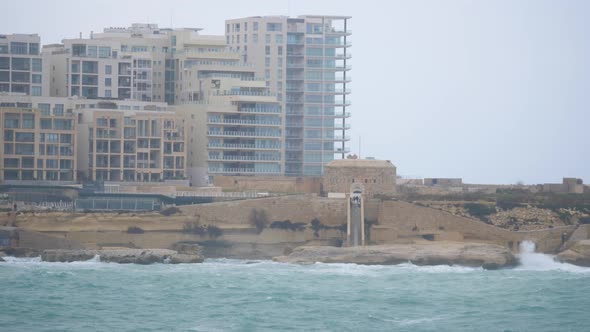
<point>79,49</point>
<point>58,109</point>
<point>267,39</point>
<point>18,48</point>
<point>255,38</point>
<point>36,91</point>
<point>29,121</point>
<point>4,63</point>
<point>76,67</point>
<point>255,26</point>
<point>3,48</point>
<point>34,48</point>
<point>45,124</point>
<point>44,108</point>
<point>4,76</point>
<point>21,64</point>
<point>274,26</point>
<point>279,39</point>
<point>108,69</point>
<point>36,78</point>
<point>267,61</point>
<point>90,67</point>
<point>104,52</point>
<point>107,81</point>
<point>37,65</point>
<point>108,93</point>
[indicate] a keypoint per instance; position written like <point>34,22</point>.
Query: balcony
<point>245,122</point>
<point>244,158</point>
<point>216,170</point>
<point>263,110</point>
<point>240,146</point>
<point>242,134</point>
<point>334,32</point>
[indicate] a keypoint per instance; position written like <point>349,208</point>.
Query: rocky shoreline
<point>488,256</point>
<point>122,256</point>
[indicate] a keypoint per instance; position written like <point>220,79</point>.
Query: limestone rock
<point>488,256</point>
<point>122,256</point>
<point>185,258</point>
<point>577,254</point>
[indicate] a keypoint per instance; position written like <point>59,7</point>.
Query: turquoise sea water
<point>233,295</point>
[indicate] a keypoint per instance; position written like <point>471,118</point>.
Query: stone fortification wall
<point>300,208</point>
<point>283,184</point>
<point>399,219</point>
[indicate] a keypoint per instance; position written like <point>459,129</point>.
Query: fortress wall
<point>300,208</point>
<point>401,219</point>
<point>281,184</point>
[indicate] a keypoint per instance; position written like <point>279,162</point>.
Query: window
<point>45,109</point>
<point>255,26</point>
<point>280,50</point>
<point>4,63</point>
<point>104,52</point>
<point>255,38</point>
<point>267,50</point>
<point>267,74</point>
<point>21,64</point>
<point>3,48</point>
<point>108,69</point>
<point>245,38</point>
<point>37,65</point>
<point>18,48</point>
<point>245,26</point>
<point>108,81</point>
<point>279,39</point>
<point>274,26</point>
<point>58,110</point>
<point>79,49</point>
<point>280,61</point>
<point>90,67</point>
<point>4,76</point>
<point>267,39</point>
<point>75,66</point>
<point>92,51</point>
<point>108,93</point>
<point>46,124</point>
<point>36,79</point>
<point>34,48</point>
<point>36,91</point>
<point>267,61</point>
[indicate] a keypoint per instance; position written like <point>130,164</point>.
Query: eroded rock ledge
<point>123,256</point>
<point>488,256</point>
<point>577,254</point>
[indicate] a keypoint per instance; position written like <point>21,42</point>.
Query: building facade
<point>305,60</point>
<point>21,65</point>
<point>38,141</point>
<point>131,142</point>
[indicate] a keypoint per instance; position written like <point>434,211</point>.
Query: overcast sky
<point>490,91</point>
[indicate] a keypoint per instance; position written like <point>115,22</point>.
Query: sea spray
<point>534,261</point>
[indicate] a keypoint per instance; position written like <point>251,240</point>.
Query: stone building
<point>377,176</point>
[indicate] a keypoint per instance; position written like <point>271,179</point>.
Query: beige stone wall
<point>282,184</point>
<point>300,208</point>
<point>403,220</point>
<point>376,180</point>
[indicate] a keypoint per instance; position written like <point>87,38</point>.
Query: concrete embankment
<point>488,256</point>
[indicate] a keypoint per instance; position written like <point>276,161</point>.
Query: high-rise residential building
<point>306,61</point>
<point>38,139</point>
<point>67,139</point>
<point>21,65</point>
<point>131,142</point>
<point>235,123</point>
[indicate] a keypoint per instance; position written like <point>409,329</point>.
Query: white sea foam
<point>533,261</point>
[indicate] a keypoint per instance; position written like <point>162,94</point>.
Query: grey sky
<point>491,91</point>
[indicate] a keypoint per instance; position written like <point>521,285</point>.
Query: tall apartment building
<point>38,139</point>
<point>131,142</point>
<point>21,65</point>
<point>235,123</point>
<point>305,60</point>
<point>67,139</point>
